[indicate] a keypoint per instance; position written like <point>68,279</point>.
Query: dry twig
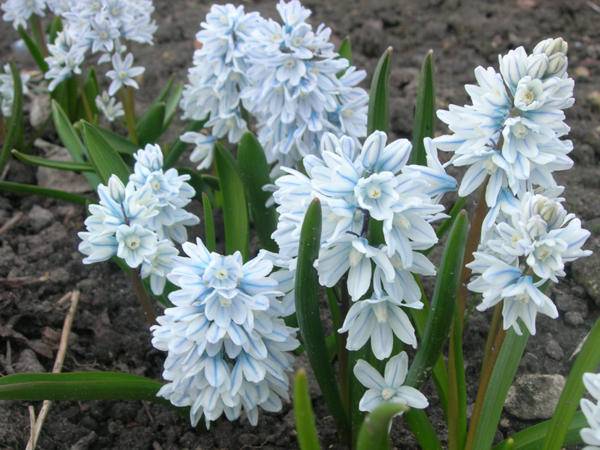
<point>58,364</point>
<point>11,222</point>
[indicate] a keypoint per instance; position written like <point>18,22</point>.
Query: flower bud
<point>547,209</point>
<point>551,46</point>
<point>537,65</point>
<point>536,227</point>
<point>116,189</point>
<point>557,65</point>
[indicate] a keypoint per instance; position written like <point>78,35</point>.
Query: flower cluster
<point>286,75</point>
<point>356,186</point>
<point>101,27</point>
<point>139,222</point>
<point>19,12</point>
<point>512,133</point>
<point>526,247</point>
<point>7,90</point>
<point>591,410</point>
<point>228,348</point>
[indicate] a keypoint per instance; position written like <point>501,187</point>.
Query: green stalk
<point>128,99</point>
<point>142,296</point>
<point>39,33</point>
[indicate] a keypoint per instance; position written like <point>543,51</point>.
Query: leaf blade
<point>379,115</point>
<point>374,431</point>
<point>424,120</point>
<point>31,189</point>
<point>105,159</point>
<point>306,429</point>
<point>53,164</point>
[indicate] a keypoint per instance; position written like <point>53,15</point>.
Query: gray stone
<point>554,350</point>
<point>574,318</point>
<point>39,218</point>
<point>585,272</point>
<point>534,396</point>
<point>59,179</point>
<point>28,362</point>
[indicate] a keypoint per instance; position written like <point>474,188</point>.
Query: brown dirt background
<point>109,333</point>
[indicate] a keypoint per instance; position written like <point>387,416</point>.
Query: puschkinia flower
<point>295,91</point>
<point>355,185</point>
<point>228,347</point>
<point>525,249</point>
<point>389,387</point>
<point>132,221</point>
<point>512,135</point>
<point>19,11</point>
<point>217,77</point>
<point>100,27</point>
<point>591,409</point>
<point>7,90</point>
<point>109,106</point>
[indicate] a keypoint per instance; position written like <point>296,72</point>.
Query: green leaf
<point>178,147</point>
<point>54,28</point>
<point>120,143</point>
<point>235,210</point>
<point>78,386</point>
<point>105,159</point>
<point>53,164</point>
<point>374,432</point>
<point>209,224</point>
<point>150,126</point>
<point>424,121</point>
<point>15,124</point>
<point>306,430</point>
<point>457,387</point>
<point>345,50</point>
<point>379,95</point>
<point>458,206</point>
<point>443,304</point>
<point>71,141</point>
<point>532,438</point>
<point>91,90</point>
<point>309,317</point>
<point>255,174</point>
<point>422,429</point>
<point>501,379</point>
<point>31,189</point>
<point>587,360</point>
<point>172,104</point>
<point>34,50</point>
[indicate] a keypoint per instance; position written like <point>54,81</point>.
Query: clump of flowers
<point>138,222</point>
<point>591,410</point>
<point>19,11</point>
<point>228,347</point>
<point>7,90</point>
<point>287,76</point>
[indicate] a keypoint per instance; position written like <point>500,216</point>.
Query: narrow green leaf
<point>34,50</point>
<point>422,429</point>
<point>31,189</point>
<point>15,124</point>
<point>78,386</point>
<point>345,50</point>
<point>105,159</point>
<point>374,432</point>
<point>209,224</point>
<point>255,174</point>
<point>53,164</point>
<point>379,95</point>
<point>457,388</point>
<point>587,360</point>
<point>309,317</point>
<point>178,147</point>
<point>120,143</point>
<point>91,90</point>
<point>235,210</point>
<point>502,377</point>
<point>424,121</point>
<point>150,126</point>
<point>172,104</point>
<point>532,438</point>
<point>443,304</point>
<point>458,206</point>
<point>54,28</point>
<point>306,429</point>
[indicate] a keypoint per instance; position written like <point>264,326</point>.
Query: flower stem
<point>343,360</point>
<point>39,33</point>
<point>143,297</point>
<point>129,107</point>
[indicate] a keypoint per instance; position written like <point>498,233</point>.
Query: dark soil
<point>109,332</point>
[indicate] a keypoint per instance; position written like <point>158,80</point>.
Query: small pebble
<point>554,350</point>
<point>574,318</point>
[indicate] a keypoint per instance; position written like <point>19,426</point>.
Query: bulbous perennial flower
<point>228,347</point>
<point>513,132</point>
<point>355,185</point>
<point>591,410</point>
<point>527,247</point>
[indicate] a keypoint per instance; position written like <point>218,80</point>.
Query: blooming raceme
<point>287,76</point>
<point>7,90</point>
<point>100,27</point>
<point>228,347</point>
<point>591,410</point>
<point>137,222</point>
<point>387,388</point>
<point>354,185</point>
<point>513,132</point>
<point>527,247</point>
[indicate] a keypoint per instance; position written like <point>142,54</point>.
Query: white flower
<point>228,349</point>
<point>66,57</point>
<point>7,90</point>
<point>19,11</point>
<point>158,265</point>
<point>387,388</point>
<point>591,409</point>
<point>512,133</point>
<point>204,149</point>
<point>123,73</point>
<point>109,106</point>
<point>134,244</point>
